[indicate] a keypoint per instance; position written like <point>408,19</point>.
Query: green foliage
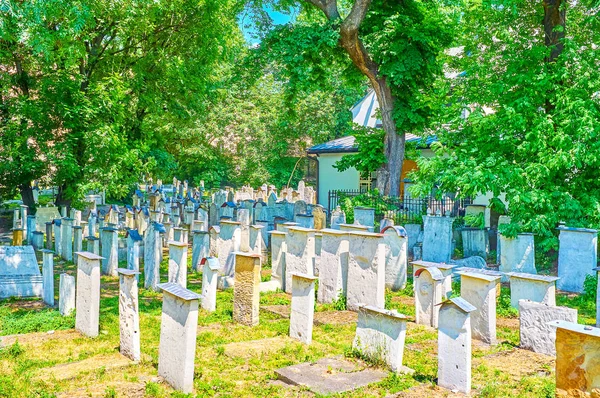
<point>503,307</point>
<point>475,220</point>
<point>23,321</point>
<point>14,351</point>
<point>339,304</point>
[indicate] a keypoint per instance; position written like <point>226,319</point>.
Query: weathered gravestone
<point>577,257</point>
<point>66,295</point>
<point>300,254</point>
<point>19,272</point>
<point>152,252</point>
<point>17,237</point>
<point>246,292</point>
<point>228,243</point>
<point>365,216</point>
<point>210,272</point>
<point>475,242</point>
<point>278,252</point>
<point>479,289</point>
<point>178,263</point>
<point>49,233</point>
<point>67,239</point>
<point>303,307</point>
<point>518,254</point>
<point>535,332</point>
<point>333,269</point>
<point>134,241</point>
<point>129,316</point>
<point>337,218</point>
<point>87,316</point>
<point>437,239</point>
<point>58,237</point>
<point>180,319</point>
<point>380,336</point>
<point>37,240</point>
<point>445,269</point>
<point>366,270</point>
<point>454,345</point>
<point>537,288</point>
<point>429,293</point>
<point>200,248</point>
<point>110,250</point>
<point>396,257</point>
<point>48,275</point>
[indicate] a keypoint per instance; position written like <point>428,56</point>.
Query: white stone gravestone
<point>535,332</point>
<point>479,289</point>
<point>278,252</point>
<point>200,248</point>
<point>19,273</point>
<point>48,275</point>
<point>429,293</point>
<point>87,316</point>
<point>303,307</point>
<point>396,257</point>
<point>577,257</point>
<point>537,288</point>
<point>66,296</point>
<point>178,263</point>
<point>437,239</point>
<point>110,250</point>
<point>518,254</point>
<point>246,292</point>
<point>366,270</point>
<point>300,254</point>
<point>129,316</point>
<point>333,268</point>
<point>210,272</point>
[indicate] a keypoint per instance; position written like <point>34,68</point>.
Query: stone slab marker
<point>475,242</point>
<point>37,240</point>
<point>577,362</point>
<point>66,295</point>
<point>129,316</point>
<point>77,239</point>
<point>454,345</point>
<point>133,250</point>
<point>300,254</point>
<point>437,239</point>
<point>228,243</point>
<point>210,273</point>
<point>537,288</point>
<point>303,307</point>
<point>380,335</point>
<point>178,263</point>
<point>58,237</point>
<point>429,293</point>
<point>535,332</point>
<point>110,251</point>
<point>445,269</point>
<point>24,217</point>
<point>48,275</point>
<point>278,251</point>
<point>178,328</point>
<point>518,254</point>
<point>67,239</point>
<point>31,228</point>
<point>396,257</point>
<point>93,245</point>
<point>366,270</point>
<point>200,248</point>
<point>577,257</point>
<point>479,289</point>
<point>246,292</point>
<point>365,216</point>
<point>353,228</point>
<point>333,268</point>
<point>87,316</point>
<point>49,229</point>
<point>152,249</point>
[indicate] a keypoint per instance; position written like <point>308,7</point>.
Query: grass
<point>25,360</point>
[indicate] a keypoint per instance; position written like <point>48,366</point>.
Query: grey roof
<point>461,303</point>
<point>348,144</point>
<point>178,291</point>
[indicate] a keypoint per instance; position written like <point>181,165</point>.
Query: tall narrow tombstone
<point>67,239</point>
<point>535,333</point>
<point>58,237</point>
<point>24,218</point>
<point>16,219</point>
<point>537,288</point>
<point>396,257</point>
<point>37,240</point>
<point>445,269</point>
<point>110,251</point>
<point>577,348</point>
<point>228,243</point>
<point>48,275</point>
<point>380,335</point>
<point>278,251</point>
<point>243,217</point>
<point>366,270</point>
<point>213,248</point>
<point>210,272</point>
<point>437,239</point>
<point>200,248</point>
<point>454,345</point>
<point>133,251</point>
<point>429,294</point>
<point>87,316</point>
<point>168,235</point>
<point>365,216</point>
<point>17,237</point>
<point>77,239</point>
<point>93,245</point>
<point>501,220</point>
<point>246,292</point>
<point>49,229</point>
<point>320,217</point>
<point>333,268</point>
<point>479,289</point>
<point>518,254</point>
<point>300,254</point>
<point>303,307</point>
<point>577,257</point>
<point>92,225</point>
<point>31,228</point>
<point>129,316</point>
<point>179,318</point>
<point>66,294</point>
<point>152,249</point>
<point>178,263</point>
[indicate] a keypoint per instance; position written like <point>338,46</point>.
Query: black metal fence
<point>405,210</point>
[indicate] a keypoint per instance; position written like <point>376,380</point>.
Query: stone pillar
<point>66,294</point>
<point>577,256</point>
<point>333,268</point>
<point>87,316</point>
<point>396,257</point>
<point>535,332</point>
<point>365,216</point>
<point>366,270</point>
<point>178,263</point>
<point>518,254</point>
<point>84,228</point>
<point>437,239</point>
<point>243,217</point>
<point>24,225</point>
<point>77,239</point>
<point>180,319</point>
<point>49,227</point>
<point>67,239</point>
<point>129,316</point>
<point>480,290</point>
<point>17,239</point>
<point>200,248</point>
<point>429,293</point>
<point>92,223</point>
<point>16,219</point>
<point>31,228</point>
<point>110,251</point>
<point>93,245</point>
<point>152,248</point>
<point>210,271</point>
<point>278,251</point>
<point>380,336</point>
<point>577,348</point>
<point>300,254</point>
<point>133,250</point>
<point>76,216</point>
<point>256,243</point>
<point>475,242</point>
<point>454,345</point>
<point>537,288</point>
<point>37,240</point>
<point>48,275</point>
<point>180,235</point>
<point>228,243</point>
<point>168,236</point>
<point>58,237</point>
<point>246,291</point>
<point>303,307</point>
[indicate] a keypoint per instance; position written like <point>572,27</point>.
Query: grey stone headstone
<point>19,272</point>
<point>536,334</point>
<point>437,239</point>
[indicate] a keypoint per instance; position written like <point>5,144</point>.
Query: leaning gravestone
<point>19,272</point>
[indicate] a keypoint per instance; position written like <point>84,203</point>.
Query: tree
<point>395,45</point>
<point>523,120</point>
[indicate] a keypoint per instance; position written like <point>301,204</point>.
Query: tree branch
<point>329,8</point>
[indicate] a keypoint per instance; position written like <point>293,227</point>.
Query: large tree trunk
<point>554,27</point>
<point>27,197</point>
<point>61,198</point>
